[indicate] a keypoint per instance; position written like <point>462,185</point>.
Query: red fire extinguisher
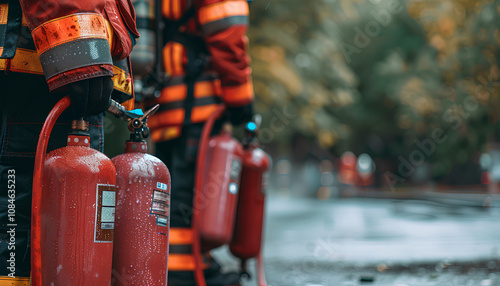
<point>220,159</point>
<point>140,253</point>
<point>73,209</point>
<point>247,235</point>
<point>218,172</point>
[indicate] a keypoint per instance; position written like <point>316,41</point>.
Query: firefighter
<point>204,55</point>
<point>49,49</point>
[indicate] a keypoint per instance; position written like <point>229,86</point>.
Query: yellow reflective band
<point>4,8</point>
<point>16,281</point>
<point>25,61</point>
<point>4,11</point>
<point>122,81</point>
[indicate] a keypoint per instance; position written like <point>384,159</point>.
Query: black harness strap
<point>172,27</point>
<point>13,29</point>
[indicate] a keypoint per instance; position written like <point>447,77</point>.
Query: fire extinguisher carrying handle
<point>200,162</point>
<point>119,111</point>
<point>41,149</point>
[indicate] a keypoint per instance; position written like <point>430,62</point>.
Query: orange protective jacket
<point>68,40</point>
<point>217,31</point>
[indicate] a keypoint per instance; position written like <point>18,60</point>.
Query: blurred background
<point>412,84</point>
<point>382,118</point>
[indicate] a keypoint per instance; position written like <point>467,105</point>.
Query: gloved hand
<point>90,96</point>
<point>241,114</point>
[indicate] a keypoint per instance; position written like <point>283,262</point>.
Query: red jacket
<point>74,40</point>
<point>220,26</point>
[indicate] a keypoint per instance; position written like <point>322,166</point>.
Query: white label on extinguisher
<point>162,221</point>
<point>108,214</point>
<point>108,198</point>
<point>105,213</point>
<point>160,206</point>
<point>235,169</point>
<point>161,186</point>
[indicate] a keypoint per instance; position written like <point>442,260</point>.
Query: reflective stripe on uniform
<point>238,95</point>
<point>165,133</point>
<point>3,13</point>
<point>172,9</point>
<point>222,15</point>
<point>16,281</point>
<point>4,8</point>
<point>183,262</point>
<point>180,235</point>
<point>68,29</point>
<point>122,80</point>
<point>25,61</point>
<point>201,113</point>
<point>176,89</point>
<point>173,55</point>
<point>207,95</point>
<point>75,54</point>
<point>26,58</point>
<point>71,42</point>
<point>180,256</point>
<point>166,118</point>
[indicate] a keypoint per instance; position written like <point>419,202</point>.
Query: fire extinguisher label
<point>105,213</point>
<point>161,186</point>
<point>235,169</point>
<point>160,206</point>
<point>265,181</point>
<point>162,221</point>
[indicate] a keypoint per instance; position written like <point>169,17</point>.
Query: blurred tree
<point>379,76</point>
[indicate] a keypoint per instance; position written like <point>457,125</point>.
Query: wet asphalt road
<point>380,242</point>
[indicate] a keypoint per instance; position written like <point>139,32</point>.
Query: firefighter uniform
<point>45,48</point>
<point>204,54</point>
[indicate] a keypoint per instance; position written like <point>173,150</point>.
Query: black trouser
<point>25,102</point>
<point>180,157</point>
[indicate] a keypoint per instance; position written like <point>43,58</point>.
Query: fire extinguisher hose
<point>41,149</point>
<point>261,273</point>
<point>200,163</point>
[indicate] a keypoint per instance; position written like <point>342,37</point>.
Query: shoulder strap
<point>12,31</point>
<point>172,27</point>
